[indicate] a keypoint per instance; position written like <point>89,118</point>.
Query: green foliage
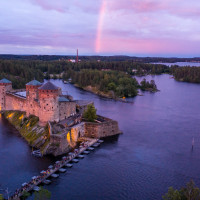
<point>1,197</point>
<point>22,71</point>
<point>189,192</point>
<point>186,74</point>
<point>90,113</point>
<point>25,195</point>
<point>28,128</point>
<point>172,194</point>
<point>43,194</point>
<point>120,83</point>
<point>146,85</point>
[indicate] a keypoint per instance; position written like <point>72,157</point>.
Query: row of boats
<point>62,169</point>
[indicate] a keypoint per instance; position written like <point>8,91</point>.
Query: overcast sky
<point>100,27</point>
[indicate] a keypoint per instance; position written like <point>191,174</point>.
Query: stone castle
<point>42,100</point>
<point>61,113</point>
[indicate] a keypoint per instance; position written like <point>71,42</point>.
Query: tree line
<point>22,71</point>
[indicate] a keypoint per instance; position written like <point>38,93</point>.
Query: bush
<point>90,113</point>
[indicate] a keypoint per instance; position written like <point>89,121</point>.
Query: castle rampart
<point>104,128</point>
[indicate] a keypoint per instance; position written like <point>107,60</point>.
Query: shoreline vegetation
<point>107,78</point>
<point>110,84</point>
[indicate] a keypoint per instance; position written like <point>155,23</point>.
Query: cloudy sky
<point>100,27</point>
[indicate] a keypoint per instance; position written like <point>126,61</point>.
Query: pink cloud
<point>149,46</point>
<point>175,7</point>
<point>49,5</point>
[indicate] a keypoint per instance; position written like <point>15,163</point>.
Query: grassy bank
<point>28,127</point>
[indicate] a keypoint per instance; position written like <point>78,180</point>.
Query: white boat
<point>37,153</point>
<point>90,148</point>
<point>96,144</point>
<point>24,184</point>
<point>34,177</point>
<point>64,157</point>
<point>86,152</point>
<point>55,175</point>
<point>75,160</point>
<point>47,182</point>
<point>36,188</point>
<point>57,162</point>
<point>62,170</point>
<point>50,166</point>
<point>81,156</point>
<point>100,141</point>
<point>69,165</point>
<point>42,172</point>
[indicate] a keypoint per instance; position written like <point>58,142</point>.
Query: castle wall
<point>66,109</point>
<point>77,131</point>
<point>32,108</point>
<point>14,102</point>
<point>103,129</point>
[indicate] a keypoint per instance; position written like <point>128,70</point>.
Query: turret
<point>5,86</point>
<point>48,103</point>
<point>32,97</point>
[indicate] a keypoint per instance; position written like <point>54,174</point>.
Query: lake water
<point>182,64</point>
<point>153,153</point>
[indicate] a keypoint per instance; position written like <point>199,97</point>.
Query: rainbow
<point>100,26</point>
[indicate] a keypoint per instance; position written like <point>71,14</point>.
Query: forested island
<point>113,79</point>
<point>111,84</point>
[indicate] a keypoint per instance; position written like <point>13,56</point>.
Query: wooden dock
<point>44,175</point>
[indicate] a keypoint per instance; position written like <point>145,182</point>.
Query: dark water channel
<point>153,153</point>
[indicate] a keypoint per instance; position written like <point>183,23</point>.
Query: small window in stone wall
<point>52,107</point>
<point>47,104</point>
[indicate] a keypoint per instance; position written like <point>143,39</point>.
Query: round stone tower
<point>32,98</point>
<point>48,103</point>
<point>5,86</point>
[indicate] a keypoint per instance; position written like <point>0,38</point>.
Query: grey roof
<point>48,86</point>
<point>4,80</point>
<point>34,82</point>
<point>63,99</point>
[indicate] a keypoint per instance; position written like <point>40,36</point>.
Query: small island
<point>110,84</point>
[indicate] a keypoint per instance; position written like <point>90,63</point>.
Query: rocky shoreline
<point>109,95</point>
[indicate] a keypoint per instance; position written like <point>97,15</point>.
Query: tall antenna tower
<point>77,56</point>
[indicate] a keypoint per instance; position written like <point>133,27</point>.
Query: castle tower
<point>48,103</point>
<point>5,86</point>
<point>32,107</point>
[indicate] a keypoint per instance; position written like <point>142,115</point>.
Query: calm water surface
<point>181,64</point>
<point>153,153</point>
